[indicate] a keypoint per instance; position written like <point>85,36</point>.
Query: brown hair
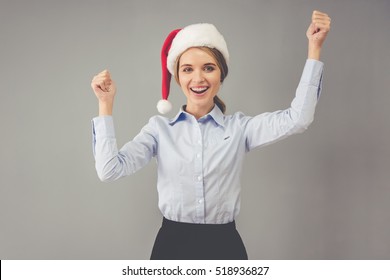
<point>222,65</point>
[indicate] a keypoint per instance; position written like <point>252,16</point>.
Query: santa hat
<point>178,41</point>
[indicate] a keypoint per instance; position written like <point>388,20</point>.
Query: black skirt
<point>187,241</point>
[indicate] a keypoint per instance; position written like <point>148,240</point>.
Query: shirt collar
<point>179,116</point>
<point>216,114</point>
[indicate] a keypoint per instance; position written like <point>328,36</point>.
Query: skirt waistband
<point>190,226</point>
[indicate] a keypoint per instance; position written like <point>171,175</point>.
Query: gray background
<point>323,194</point>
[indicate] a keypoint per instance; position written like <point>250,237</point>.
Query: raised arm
<point>271,127</point>
<point>111,163</point>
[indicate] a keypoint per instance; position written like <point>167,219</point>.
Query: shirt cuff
<point>312,72</point>
<point>103,127</point>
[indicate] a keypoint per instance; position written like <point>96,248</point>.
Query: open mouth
<point>199,90</point>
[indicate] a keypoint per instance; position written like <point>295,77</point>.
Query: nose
<point>198,77</point>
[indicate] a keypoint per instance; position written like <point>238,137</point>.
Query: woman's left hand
<point>317,32</point>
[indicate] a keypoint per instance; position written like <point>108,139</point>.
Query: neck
<point>198,111</point>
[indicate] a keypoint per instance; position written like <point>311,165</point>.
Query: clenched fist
<point>316,33</point>
<point>104,89</point>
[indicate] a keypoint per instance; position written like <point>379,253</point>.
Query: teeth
<point>199,89</point>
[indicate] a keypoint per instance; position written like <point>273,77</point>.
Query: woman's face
<point>199,78</point>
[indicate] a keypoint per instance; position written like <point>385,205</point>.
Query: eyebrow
<point>206,64</point>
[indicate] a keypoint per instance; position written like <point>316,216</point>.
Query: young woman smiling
<point>199,75</point>
<point>200,151</point>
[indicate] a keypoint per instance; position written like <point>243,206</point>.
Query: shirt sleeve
<point>112,164</point>
<point>268,128</point>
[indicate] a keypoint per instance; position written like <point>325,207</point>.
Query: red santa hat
<point>178,41</point>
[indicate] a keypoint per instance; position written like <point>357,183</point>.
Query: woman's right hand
<point>104,89</point>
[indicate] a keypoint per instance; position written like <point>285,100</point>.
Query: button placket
<point>198,168</point>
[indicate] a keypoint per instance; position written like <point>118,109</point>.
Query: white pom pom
<point>164,106</point>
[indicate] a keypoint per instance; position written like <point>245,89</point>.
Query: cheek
<point>216,87</point>
<point>217,80</point>
<point>183,85</point>
<point>217,83</point>
<point>182,81</point>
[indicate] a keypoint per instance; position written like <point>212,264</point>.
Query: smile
<point>199,90</point>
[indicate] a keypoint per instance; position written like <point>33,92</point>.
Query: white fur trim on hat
<point>196,35</point>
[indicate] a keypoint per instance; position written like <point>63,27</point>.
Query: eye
<point>187,69</point>
<point>209,68</point>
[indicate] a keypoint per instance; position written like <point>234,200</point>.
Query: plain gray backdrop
<point>323,194</point>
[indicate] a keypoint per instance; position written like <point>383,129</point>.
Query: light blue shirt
<point>199,162</point>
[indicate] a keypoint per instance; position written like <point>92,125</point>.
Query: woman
<point>200,151</point>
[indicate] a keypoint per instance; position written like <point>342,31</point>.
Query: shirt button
<point>198,155</point>
<point>200,201</point>
<point>199,178</point>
